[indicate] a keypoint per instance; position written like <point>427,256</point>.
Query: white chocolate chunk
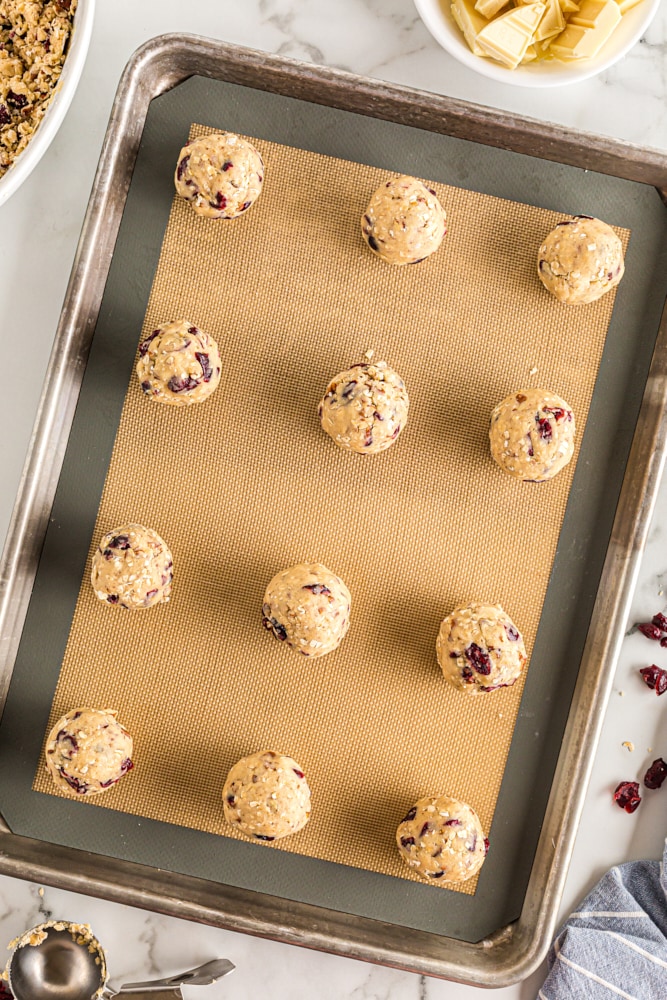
<point>625,5</point>
<point>578,43</point>
<point>470,23</point>
<point>552,22</point>
<point>600,16</point>
<point>489,8</point>
<point>568,6</point>
<point>507,38</point>
<point>530,56</point>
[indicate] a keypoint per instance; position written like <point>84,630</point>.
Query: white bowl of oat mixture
<point>12,104</point>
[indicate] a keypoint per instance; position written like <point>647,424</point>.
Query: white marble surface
<point>39,229</point>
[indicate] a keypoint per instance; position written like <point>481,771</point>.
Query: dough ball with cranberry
<point>221,175</point>
<point>532,435</point>
<point>178,364</point>
<point>88,751</point>
<point>479,649</point>
<point>442,840</point>
<point>404,222</point>
<point>266,796</point>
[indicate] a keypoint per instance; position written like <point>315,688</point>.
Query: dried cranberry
<point>182,167</point>
<point>109,783</point>
<point>186,384</point>
<point>146,386</point>
<point>650,630</point>
<point>127,765</point>
<point>372,242</point>
<point>531,450</point>
<point>316,588</point>
<point>626,795</point>
<point>206,369</point>
<point>407,841</point>
<point>113,598</point>
<point>5,117</point>
<point>557,412</point>
<point>4,992</point>
<point>512,633</point>
<point>80,787</point>
<point>121,542</point>
<point>220,200</point>
<point>486,846</point>
<point>473,843</point>
<point>426,827</point>
<point>478,659</point>
<point>656,774</point>
<point>227,165</point>
<point>150,594</point>
<point>660,620</point>
<point>655,678</point>
<point>348,390</point>
<point>231,799</point>
<point>397,431</point>
<point>453,822</point>
<point>436,874</point>
<point>65,737</point>
<point>368,437</point>
<point>411,815</point>
<point>273,625</point>
<point>262,836</point>
<point>18,101</point>
<point>245,206</point>
<point>145,344</point>
<point>298,773</point>
<point>544,425</point>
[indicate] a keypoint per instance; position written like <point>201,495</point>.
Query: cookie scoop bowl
<point>60,102</point>
<point>436,15</point>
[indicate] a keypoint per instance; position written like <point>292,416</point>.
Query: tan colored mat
<point>247,483</point>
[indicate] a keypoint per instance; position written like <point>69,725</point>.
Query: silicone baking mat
<point>247,484</point>
<point>371,701</point>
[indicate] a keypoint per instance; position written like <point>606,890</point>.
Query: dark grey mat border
<point>576,572</point>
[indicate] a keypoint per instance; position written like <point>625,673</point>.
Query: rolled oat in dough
<point>88,751</point>
<point>532,434</point>
<point>404,222</point>
<point>442,840</point>
<point>479,648</point>
<point>308,608</point>
<point>266,796</point>
<point>365,408</point>
<point>580,260</point>
<point>221,175</point>
<point>132,568</point>
<point>178,364</point>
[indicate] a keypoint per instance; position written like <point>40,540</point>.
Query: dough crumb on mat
<point>88,751</point>
<point>308,608</point>
<point>580,260</point>
<point>365,408</point>
<point>532,434</point>
<point>404,222</point>
<point>132,568</point>
<point>266,796</point>
<point>442,840</point>
<point>221,175</point>
<point>479,649</point>
<point>178,364</point>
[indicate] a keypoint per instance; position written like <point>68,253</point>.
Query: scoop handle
<point>203,975</point>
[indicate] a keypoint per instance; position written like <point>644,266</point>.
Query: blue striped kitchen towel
<point>615,944</point>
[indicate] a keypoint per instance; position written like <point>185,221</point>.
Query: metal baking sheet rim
<point>516,950</point>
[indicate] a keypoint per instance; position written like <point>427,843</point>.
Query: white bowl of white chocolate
<point>537,44</point>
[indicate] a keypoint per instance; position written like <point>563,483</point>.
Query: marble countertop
<point>38,234</point>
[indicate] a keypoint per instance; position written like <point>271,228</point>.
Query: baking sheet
<point>647,236</point>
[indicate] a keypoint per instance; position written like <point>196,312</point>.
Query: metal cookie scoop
<point>64,961</point>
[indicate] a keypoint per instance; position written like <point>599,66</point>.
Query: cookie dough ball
<point>308,608</point>
<point>532,435</point>
<point>442,840</point>
<point>266,796</point>
<point>365,408</point>
<point>404,222</point>
<point>132,568</point>
<point>580,260</point>
<point>220,175</point>
<point>480,648</point>
<point>88,751</point>
<point>178,364</point>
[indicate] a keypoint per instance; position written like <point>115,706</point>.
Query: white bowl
<point>436,15</point>
<point>26,162</point>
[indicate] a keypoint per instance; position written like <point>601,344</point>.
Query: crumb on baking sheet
<point>628,745</point>
<point>34,37</point>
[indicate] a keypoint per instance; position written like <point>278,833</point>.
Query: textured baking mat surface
<point>246,484</point>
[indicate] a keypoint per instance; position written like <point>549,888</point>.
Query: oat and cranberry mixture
<point>34,38</point>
